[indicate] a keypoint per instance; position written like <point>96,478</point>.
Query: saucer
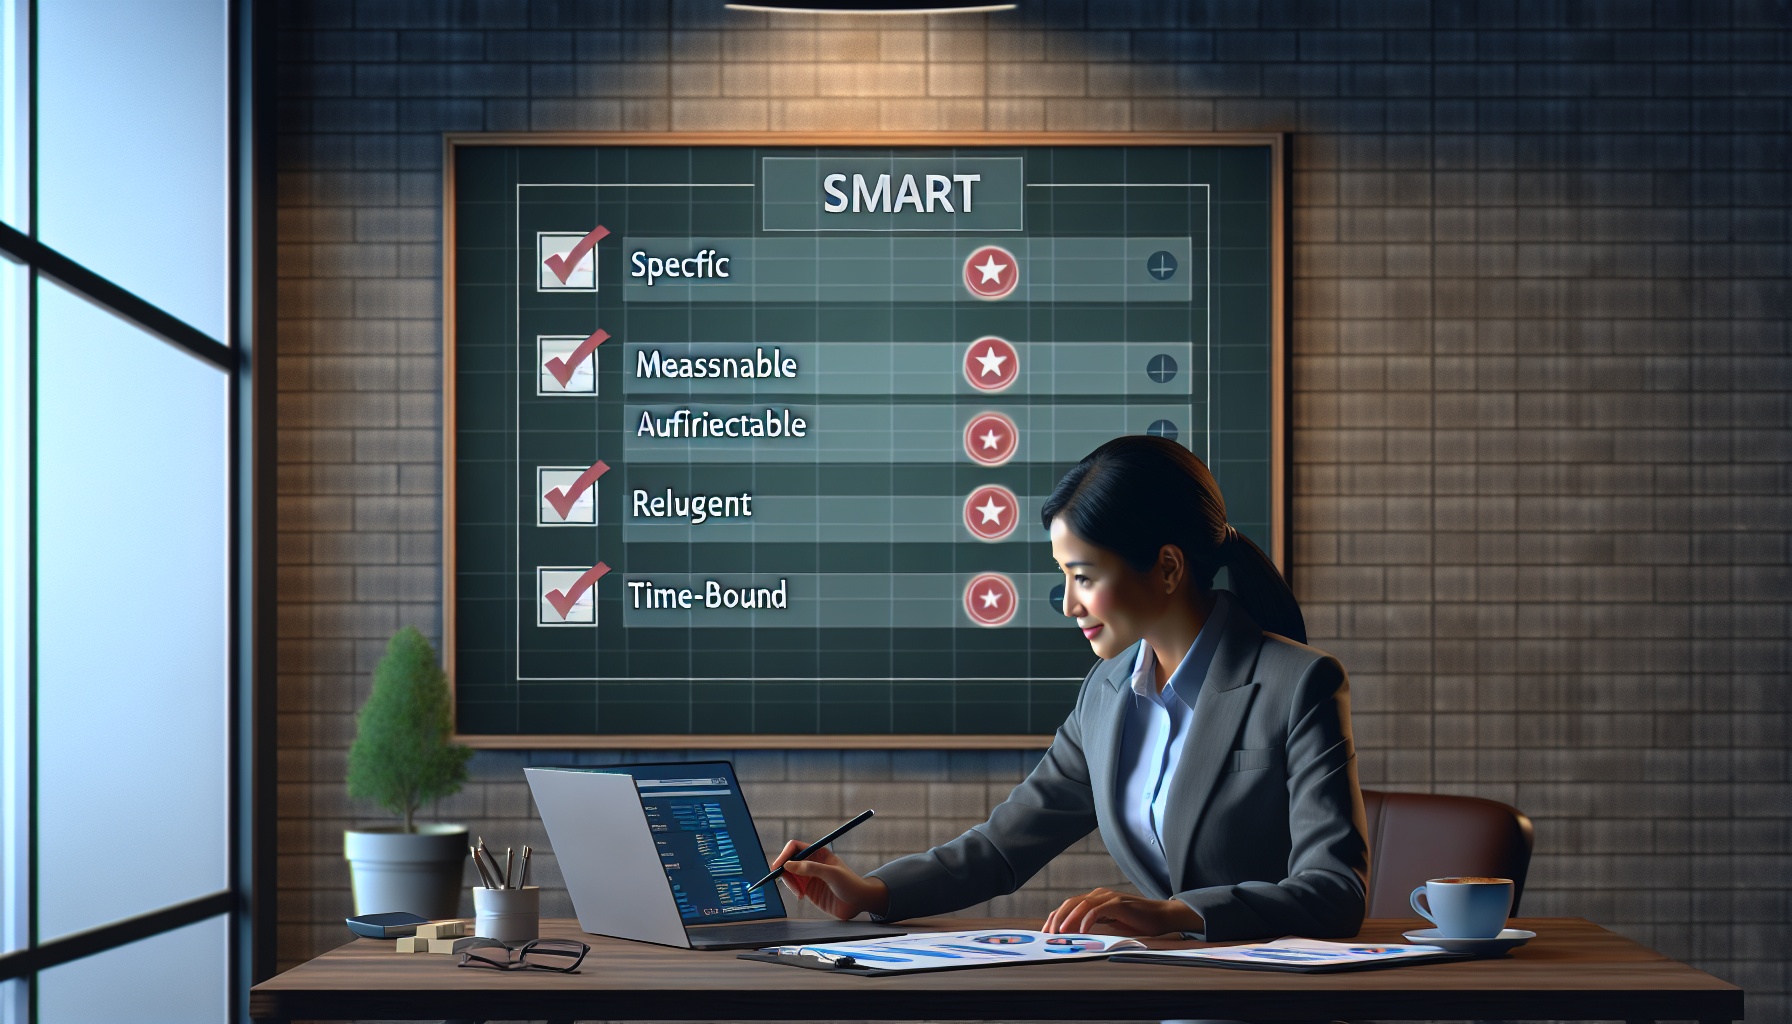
<point>1508,938</point>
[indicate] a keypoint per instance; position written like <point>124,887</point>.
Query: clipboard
<point>1289,968</point>
<point>809,961</point>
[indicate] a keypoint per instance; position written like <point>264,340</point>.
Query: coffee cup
<point>1465,907</point>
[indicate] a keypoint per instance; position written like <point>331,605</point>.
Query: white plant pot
<point>415,872</point>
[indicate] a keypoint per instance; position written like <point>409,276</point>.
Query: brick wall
<point>1540,376</point>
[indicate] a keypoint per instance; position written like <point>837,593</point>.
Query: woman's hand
<point>824,880</point>
<point>1106,912</point>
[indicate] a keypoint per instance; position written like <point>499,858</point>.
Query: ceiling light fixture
<point>871,7</point>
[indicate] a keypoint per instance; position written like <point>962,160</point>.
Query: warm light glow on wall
<point>863,7</point>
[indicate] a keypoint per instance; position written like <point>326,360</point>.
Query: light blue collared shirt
<point>1157,727</point>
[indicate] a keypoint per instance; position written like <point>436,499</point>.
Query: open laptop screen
<point>706,840</point>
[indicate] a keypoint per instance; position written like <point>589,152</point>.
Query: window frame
<point>248,901</point>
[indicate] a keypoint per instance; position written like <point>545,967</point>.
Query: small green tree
<point>401,756</point>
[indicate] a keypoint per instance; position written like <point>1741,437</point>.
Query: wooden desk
<point>1573,969</point>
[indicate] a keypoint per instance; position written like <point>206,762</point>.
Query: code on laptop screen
<point>706,841</point>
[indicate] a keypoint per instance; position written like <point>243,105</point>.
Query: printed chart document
<point>937,951</point>
<point>1309,956</point>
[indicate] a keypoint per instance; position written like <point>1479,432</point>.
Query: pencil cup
<point>508,915</point>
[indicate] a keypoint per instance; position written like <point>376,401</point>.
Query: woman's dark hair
<point>1135,494</point>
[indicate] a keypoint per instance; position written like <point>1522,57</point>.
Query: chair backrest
<point>1418,836</point>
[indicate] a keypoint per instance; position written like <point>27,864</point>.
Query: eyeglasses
<point>561,955</point>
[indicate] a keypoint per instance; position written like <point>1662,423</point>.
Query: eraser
<point>412,944</point>
<point>442,930</point>
<point>450,945</point>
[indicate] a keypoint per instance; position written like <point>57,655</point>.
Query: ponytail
<point>1136,494</point>
<point>1262,590</point>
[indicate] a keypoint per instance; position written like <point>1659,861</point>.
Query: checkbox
<point>563,487</point>
<point>565,364</point>
<point>552,248</point>
<point>566,595</point>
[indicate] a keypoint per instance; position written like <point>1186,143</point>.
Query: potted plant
<point>401,759</point>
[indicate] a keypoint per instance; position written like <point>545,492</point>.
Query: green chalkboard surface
<point>747,436</point>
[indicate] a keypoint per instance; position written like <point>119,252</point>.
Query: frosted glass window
<point>14,90</point>
<point>15,1001</point>
<point>15,650</point>
<point>132,146</point>
<point>177,977</point>
<point>132,620</point>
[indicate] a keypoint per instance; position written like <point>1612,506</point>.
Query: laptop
<point>664,853</point>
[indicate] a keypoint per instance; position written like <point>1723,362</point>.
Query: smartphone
<point>386,926</point>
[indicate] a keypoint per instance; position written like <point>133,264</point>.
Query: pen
<point>803,854</point>
<point>508,859</point>
<point>525,878</point>
<point>491,857</point>
<point>483,877</point>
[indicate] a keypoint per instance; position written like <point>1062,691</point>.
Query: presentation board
<point>747,435</point>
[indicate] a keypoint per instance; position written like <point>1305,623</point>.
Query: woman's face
<point>1113,603</point>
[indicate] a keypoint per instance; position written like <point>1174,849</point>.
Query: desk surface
<point>1574,969</point>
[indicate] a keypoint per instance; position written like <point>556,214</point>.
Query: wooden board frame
<point>1281,502</point>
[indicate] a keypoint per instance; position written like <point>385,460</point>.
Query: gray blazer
<point>1265,831</point>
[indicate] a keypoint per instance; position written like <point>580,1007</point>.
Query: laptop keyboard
<point>771,933</point>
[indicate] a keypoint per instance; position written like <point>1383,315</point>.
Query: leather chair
<point>1418,836</point>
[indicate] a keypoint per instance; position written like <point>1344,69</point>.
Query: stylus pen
<point>804,853</point>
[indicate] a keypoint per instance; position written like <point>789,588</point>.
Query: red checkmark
<point>563,600</point>
<point>563,369</point>
<point>562,265</point>
<point>562,498</point>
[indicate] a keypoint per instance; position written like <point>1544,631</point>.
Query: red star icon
<point>991,438</point>
<point>991,364</point>
<point>991,600</point>
<point>991,272</point>
<point>991,512</point>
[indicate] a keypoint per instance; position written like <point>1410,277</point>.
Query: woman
<point>1210,746</point>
